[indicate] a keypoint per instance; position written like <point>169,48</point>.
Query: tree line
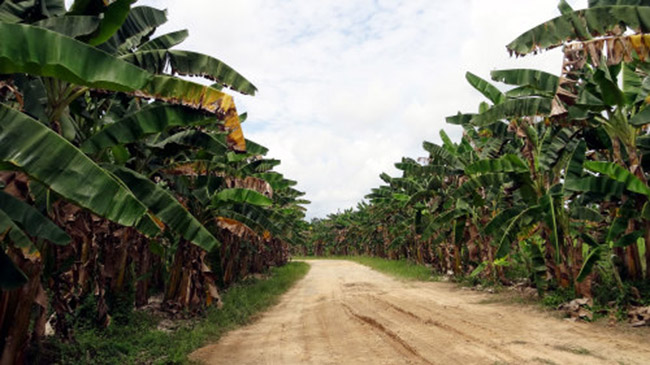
<point>123,175</point>
<point>548,182</point>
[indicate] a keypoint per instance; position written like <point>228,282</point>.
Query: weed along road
<point>345,313</point>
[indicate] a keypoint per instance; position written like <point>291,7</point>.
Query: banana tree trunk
<point>17,309</point>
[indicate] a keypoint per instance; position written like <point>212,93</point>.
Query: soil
<point>346,313</point>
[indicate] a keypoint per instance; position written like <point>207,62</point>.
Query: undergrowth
<point>140,341</point>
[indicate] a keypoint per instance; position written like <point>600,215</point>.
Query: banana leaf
<point>64,58</point>
<point>165,41</point>
<point>593,22</point>
<point>70,25</point>
<point>140,22</point>
<point>33,222</point>
<point>147,121</point>
<point>189,63</point>
<point>47,157</point>
<point>514,108</point>
<point>542,81</point>
<point>488,90</point>
<point>620,174</point>
<point>166,208</point>
<point>239,195</point>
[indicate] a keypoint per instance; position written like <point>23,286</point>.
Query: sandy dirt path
<point>346,313</point>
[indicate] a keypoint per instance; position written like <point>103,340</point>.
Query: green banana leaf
<point>64,58</point>
<point>600,185</point>
<point>460,119</point>
<point>276,180</point>
<point>258,166</point>
<point>144,122</point>
<point>620,174</point>
<point>508,234</point>
<point>194,139</point>
<point>488,90</point>
<point>514,108</point>
<point>113,19</point>
<point>140,22</point>
<point>239,195</point>
<point>70,25</point>
<point>629,239</point>
<point>545,82</point>
<point>585,214</point>
<point>594,3</point>
<point>590,23</point>
<point>507,163</point>
<point>166,208</point>
<point>641,118</point>
<point>16,234</point>
<point>33,222</point>
<point>588,265</point>
<point>253,148</point>
<point>50,159</point>
<point>165,41</point>
<point>189,63</point>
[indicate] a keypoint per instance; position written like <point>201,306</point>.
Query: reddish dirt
<point>346,313</point>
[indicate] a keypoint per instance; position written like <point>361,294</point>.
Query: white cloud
<point>349,87</point>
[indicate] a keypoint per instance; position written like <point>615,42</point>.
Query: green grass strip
<point>141,342</point>
<point>401,269</point>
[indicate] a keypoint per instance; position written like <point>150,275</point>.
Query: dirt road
<point>345,313</point>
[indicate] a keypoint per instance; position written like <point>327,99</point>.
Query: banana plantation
<point>126,179</point>
<point>549,182</point>
<point>123,176</point>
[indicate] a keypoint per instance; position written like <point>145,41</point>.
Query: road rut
<point>346,313</point>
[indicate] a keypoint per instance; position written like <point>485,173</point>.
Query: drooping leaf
<point>165,41</point>
<point>575,167</point>
<point>140,22</point>
<point>32,221</point>
<point>514,108</point>
<point>189,63</point>
<point>16,234</point>
<point>620,174</point>
<point>588,265</point>
<point>488,90</point>
<point>179,91</point>
<point>194,139</point>
<point>590,22</point>
<point>22,51</point>
<point>508,234</point>
<point>596,184</point>
<point>628,239</point>
<point>147,121</point>
<point>166,208</point>
<point>544,82</point>
<point>239,195</point>
<point>594,3</point>
<point>50,159</point>
<point>507,163</point>
<point>460,119</point>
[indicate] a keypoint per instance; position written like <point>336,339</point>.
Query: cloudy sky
<point>348,87</point>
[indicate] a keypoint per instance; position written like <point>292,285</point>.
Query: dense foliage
<point>548,181</point>
<point>120,179</point>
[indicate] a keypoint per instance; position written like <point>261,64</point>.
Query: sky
<point>349,87</point>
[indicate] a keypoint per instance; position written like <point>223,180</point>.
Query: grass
<point>141,342</point>
<point>401,269</point>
